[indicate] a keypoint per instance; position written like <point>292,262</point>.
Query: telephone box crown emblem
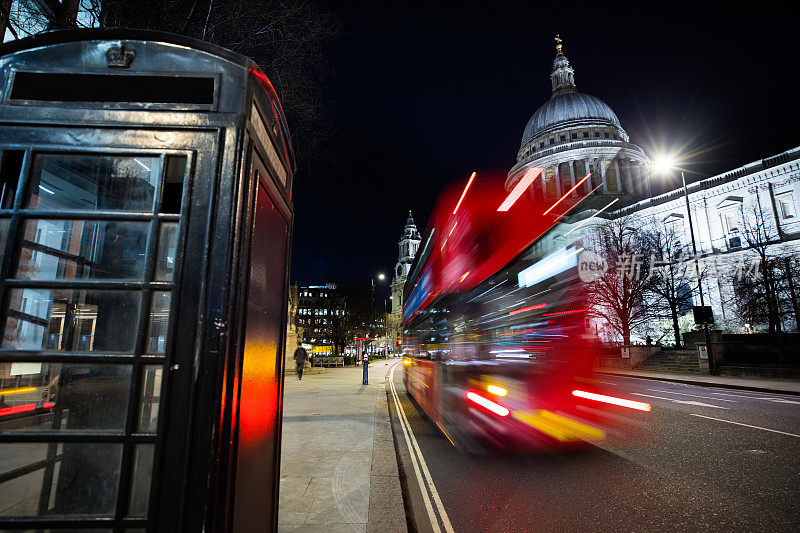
<point>120,56</point>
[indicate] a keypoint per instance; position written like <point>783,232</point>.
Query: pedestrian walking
<point>300,358</point>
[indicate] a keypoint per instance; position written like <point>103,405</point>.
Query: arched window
<point>550,182</point>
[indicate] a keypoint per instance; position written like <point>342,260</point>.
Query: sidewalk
<point>729,382</point>
<point>338,463</point>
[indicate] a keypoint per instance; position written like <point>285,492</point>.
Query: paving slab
<point>338,462</point>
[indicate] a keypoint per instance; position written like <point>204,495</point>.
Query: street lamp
<point>380,277</point>
<point>662,165</point>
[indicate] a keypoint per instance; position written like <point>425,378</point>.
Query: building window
<point>585,134</point>
<point>730,220</point>
<point>786,206</point>
<point>597,135</point>
<point>574,135</point>
<point>674,230</point>
<point>563,137</point>
<point>606,135</point>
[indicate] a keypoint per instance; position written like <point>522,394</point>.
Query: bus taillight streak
<point>487,404</point>
<point>622,402</point>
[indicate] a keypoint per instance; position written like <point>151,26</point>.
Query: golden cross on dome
<point>558,43</point>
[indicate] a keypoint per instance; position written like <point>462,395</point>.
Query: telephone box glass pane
<point>4,222</point>
<point>150,399</point>
<point>63,397</point>
<point>167,247</point>
<point>82,249</point>
<point>96,182</point>
<point>71,320</point>
<point>159,318</point>
<point>140,485</point>
<point>58,479</point>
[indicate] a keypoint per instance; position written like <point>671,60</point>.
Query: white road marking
<point>694,395</point>
<point>735,395</point>
<point>408,433</point>
<point>747,425</point>
<point>685,402</point>
<point>753,397</point>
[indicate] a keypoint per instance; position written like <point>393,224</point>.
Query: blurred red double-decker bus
<point>497,351</point>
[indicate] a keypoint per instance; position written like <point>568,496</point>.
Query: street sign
<point>702,314</point>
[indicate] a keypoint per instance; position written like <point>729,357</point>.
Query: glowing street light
<point>663,164</point>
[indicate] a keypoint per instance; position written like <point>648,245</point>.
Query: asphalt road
<point>702,472</point>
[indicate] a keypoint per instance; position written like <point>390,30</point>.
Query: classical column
<point>573,177</point>
<point>602,168</point>
<point>587,185</point>
<point>558,180</point>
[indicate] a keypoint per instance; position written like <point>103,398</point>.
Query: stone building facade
<point>762,194</point>
<point>573,134</point>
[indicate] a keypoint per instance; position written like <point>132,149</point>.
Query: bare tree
<point>791,269</point>
<point>5,14</point>
<point>350,315</point>
<point>759,234</point>
<point>668,269</point>
<point>617,296</point>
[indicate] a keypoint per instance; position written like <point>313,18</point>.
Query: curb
<point>699,383</point>
<point>411,521</point>
<point>387,512</point>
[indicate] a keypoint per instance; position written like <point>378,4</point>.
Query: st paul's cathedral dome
<point>573,134</point>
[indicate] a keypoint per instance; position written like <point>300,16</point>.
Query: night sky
<point>421,96</point>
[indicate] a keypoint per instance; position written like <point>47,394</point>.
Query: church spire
<point>562,77</point>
